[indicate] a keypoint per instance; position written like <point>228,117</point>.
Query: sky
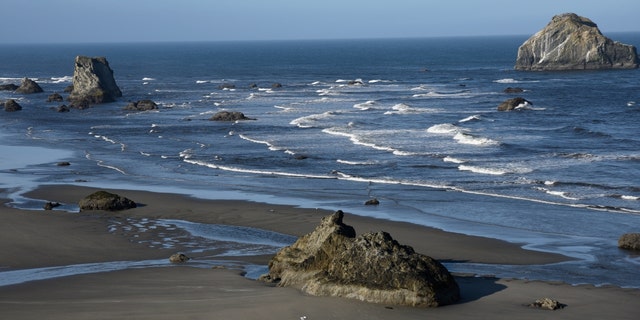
<point>78,21</point>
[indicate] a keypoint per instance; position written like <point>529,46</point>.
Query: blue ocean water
<point>411,122</point>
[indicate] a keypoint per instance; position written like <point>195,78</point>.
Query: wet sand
<point>32,239</point>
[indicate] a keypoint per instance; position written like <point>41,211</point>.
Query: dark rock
<point>373,267</point>
<point>276,85</point>
<point>513,90</point>
<point>55,97</point>
<point>513,104</point>
<point>372,202</point>
<point>547,303</point>
<point>141,105</point>
<point>28,86</point>
<point>571,42</point>
<point>11,106</point>
<point>68,89</point>
<point>229,116</point>
<point>227,86</point>
<point>51,205</point>
<point>629,241</point>
<point>357,82</point>
<point>179,258</point>
<point>8,87</point>
<point>63,164</point>
<point>253,86</point>
<point>63,108</point>
<point>93,82</point>
<point>103,200</point>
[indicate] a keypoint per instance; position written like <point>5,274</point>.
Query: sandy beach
<point>36,239</point>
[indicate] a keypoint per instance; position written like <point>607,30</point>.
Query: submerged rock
<point>373,267</point>
<point>103,200</point>
<point>28,86</point>
<point>629,241</point>
<point>572,42</point>
<point>141,105</point>
<point>513,104</point>
<point>93,82</point>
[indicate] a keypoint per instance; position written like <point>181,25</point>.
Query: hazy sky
<point>211,20</point>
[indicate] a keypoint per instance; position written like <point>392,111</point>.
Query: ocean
<point>410,122</point>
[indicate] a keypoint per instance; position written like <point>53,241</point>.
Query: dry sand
<point>30,239</point>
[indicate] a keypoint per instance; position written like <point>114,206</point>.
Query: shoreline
<point>38,238</point>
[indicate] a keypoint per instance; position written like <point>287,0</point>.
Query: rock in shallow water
<point>103,200</point>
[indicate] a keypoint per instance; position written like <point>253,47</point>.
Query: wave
<point>453,160</point>
<point>255,171</point>
<point>357,163</point>
<point>402,108</point>
<point>380,80</point>
<point>444,128</point>
<point>483,170</point>
<point>365,105</point>
<point>450,95</point>
<point>310,121</point>
<point>107,139</point>
<point>511,80</point>
<point>471,118</point>
<point>61,79</point>
<point>148,79</point>
<point>465,138</point>
<point>561,194</point>
<point>264,142</point>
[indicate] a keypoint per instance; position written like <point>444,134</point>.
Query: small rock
<point>179,258</point>
<point>51,205</point>
<point>547,303</point>
<point>372,202</point>
<point>629,241</point>
<point>141,105</point>
<point>11,106</point>
<point>55,97</point>
<point>63,108</point>
<point>63,164</point>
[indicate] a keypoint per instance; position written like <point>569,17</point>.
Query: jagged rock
<point>629,241</point>
<point>141,105</point>
<point>547,303</point>
<point>55,97</point>
<point>11,106</point>
<point>571,42</point>
<point>103,200</point>
<point>513,104</point>
<point>373,267</point>
<point>93,82</point>
<point>179,258</point>
<point>513,90</point>
<point>229,116</point>
<point>8,87</point>
<point>28,86</point>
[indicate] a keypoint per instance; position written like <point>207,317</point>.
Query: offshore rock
<point>572,42</point>
<point>373,267</point>
<point>513,104</point>
<point>11,106</point>
<point>28,86</point>
<point>141,105</point>
<point>103,200</point>
<point>229,116</point>
<point>93,82</point>
<point>8,87</point>
<point>55,97</point>
<point>629,241</point>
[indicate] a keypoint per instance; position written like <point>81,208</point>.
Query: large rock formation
<point>93,82</point>
<point>373,267</point>
<point>103,200</point>
<point>571,42</point>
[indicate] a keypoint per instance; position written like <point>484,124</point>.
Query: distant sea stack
<point>93,82</point>
<point>572,42</point>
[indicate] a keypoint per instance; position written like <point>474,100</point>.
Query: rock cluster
<point>372,267</point>
<point>103,200</point>
<point>629,241</point>
<point>572,42</point>
<point>93,82</point>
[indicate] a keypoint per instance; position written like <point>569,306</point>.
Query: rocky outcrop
<point>629,241</point>
<point>93,82</point>
<point>103,200</point>
<point>571,42</point>
<point>229,116</point>
<point>11,106</point>
<point>513,104</point>
<point>141,105</point>
<point>8,87</point>
<point>373,267</point>
<point>28,86</point>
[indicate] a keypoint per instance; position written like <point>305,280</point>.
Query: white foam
<point>357,163</point>
<point>444,128</point>
<point>61,79</point>
<point>402,108</point>
<point>465,138</point>
<point>365,105</point>
<point>507,80</point>
<point>625,197</point>
<point>483,170</point>
<point>148,79</point>
<point>311,121</point>
<point>453,160</point>
<point>202,81</point>
<point>471,118</point>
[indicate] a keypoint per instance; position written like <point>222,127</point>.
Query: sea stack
<point>572,42</point>
<point>93,82</point>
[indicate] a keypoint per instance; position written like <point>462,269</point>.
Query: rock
<point>55,97</point>
<point>513,90</point>
<point>276,85</point>
<point>571,42</point>
<point>629,241</point>
<point>103,200</point>
<point>253,86</point>
<point>373,267</point>
<point>141,105</point>
<point>63,108</point>
<point>93,82</point>
<point>63,164</point>
<point>513,104</point>
<point>229,116</point>
<point>50,205</point>
<point>179,258</point>
<point>372,202</point>
<point>28,86</point>
<point>8,87</point>
<point>68,89</point>
<point>11,106</point>
<point>227,86</point>
<point>547,303</point>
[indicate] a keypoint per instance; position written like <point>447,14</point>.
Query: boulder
<point>63,108</point>
<point>28,86</point>
<point>513,104</point>
<point>629,241</point>
<point>141,105</point>
<point>548,304</point>
<point>93,82</point>
<point>572,42</point>
<point>372,267</point>
<point>55,97</point>
<point>229,116</point>
<point>8,87</point>
<point>372,202</point>
<point>50,205</point>
<point>179,258</point>
<point>11,106</point>
<point>103,200</point>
